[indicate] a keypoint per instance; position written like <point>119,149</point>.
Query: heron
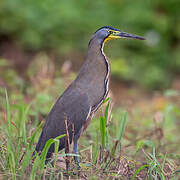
<point>75,108</point>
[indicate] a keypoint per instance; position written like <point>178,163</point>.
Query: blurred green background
<point>64,28</point>
<point>42,46</point>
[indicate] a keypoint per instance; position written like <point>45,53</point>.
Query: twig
<point>67,143</point>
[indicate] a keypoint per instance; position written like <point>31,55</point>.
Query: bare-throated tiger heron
<point>84,96</point>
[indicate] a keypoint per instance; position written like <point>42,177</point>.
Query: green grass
<point>112,151</point>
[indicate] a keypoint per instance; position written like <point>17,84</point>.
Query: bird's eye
<point>110,32</point>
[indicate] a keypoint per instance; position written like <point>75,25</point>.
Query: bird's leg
<point>76,158</point>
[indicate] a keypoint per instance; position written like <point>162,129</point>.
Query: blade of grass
<point>102,131</point>
<point>35,167</point>
<point>56,147</point>
<point>106,112</point>
<point>12,164</point>
<point>106,121</point>
<point>95,149</point>
<point>138,170</point>
<point>25,111</point>
<point>26,160</point>
<point>106,100</point>
<point>8,111</point>
<point>122,127</point>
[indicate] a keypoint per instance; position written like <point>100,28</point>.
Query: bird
<point>74,109</point>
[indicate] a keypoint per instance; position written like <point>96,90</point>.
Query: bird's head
<point>107,33</point>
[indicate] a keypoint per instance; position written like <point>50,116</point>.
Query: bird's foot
<point>67,164</point>
<point>76,159</point>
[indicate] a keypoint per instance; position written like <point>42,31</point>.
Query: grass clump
<point>111,153</point>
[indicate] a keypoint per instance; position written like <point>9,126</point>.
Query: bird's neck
<point>93,77</point>
<point>96,46</point>
<point>96,55</point>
